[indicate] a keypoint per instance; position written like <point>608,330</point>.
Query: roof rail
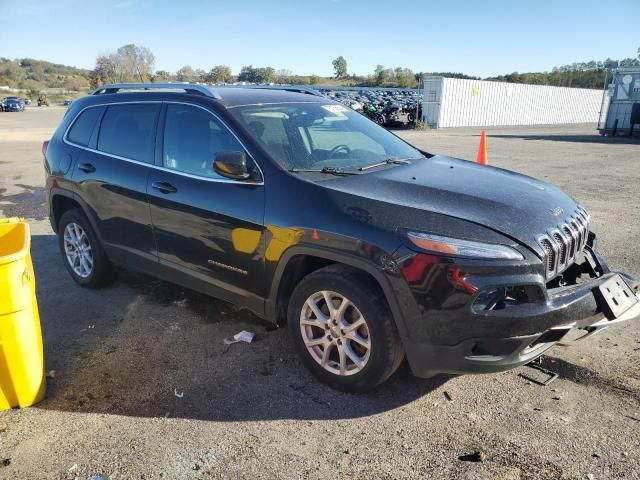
<point>288,88</point>
<point>193,88</point>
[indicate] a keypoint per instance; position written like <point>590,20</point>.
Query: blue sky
<point>477,38</point>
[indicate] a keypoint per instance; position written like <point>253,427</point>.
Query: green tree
<point>185,74</point>
<point>340,67</point>
<point>315,80</point>
<point>405,78</point>
<point>220,74</point>
<point>383,75</point>
<point>256,75</point>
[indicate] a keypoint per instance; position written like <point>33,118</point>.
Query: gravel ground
<point>144,387</point>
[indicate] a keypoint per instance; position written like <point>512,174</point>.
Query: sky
<point>477,38</point>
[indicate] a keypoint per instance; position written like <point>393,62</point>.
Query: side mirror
<point>232,165</point>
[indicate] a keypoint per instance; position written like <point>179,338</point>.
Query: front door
<point>207,227</point>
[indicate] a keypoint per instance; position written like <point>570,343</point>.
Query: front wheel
<point>343,330</point>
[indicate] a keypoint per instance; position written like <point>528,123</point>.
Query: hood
<point>512,204</point>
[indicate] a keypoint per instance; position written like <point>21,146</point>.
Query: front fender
<point>368,259</point>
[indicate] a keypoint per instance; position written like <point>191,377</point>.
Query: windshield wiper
<point>388,161</point>
<point>329,170</point>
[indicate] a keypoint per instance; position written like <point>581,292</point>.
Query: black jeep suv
<point>301,210</point>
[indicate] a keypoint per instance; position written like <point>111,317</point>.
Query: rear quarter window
<point>128,130</point>
<point>83,126</point>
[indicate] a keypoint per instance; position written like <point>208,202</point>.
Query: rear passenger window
<point>82,128</point>
<point>129,130</point>
<point>192,137</point>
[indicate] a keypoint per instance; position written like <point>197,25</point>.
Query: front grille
<point>564,242</point>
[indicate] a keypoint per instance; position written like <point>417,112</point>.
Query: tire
<point>76,235</point>
<point>362,368</point>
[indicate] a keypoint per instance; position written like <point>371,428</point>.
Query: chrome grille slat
<point>563,243</point>
<point>573,242</point>
<point>583,233</point>
<point>576,225</point>
<point>562,247</point>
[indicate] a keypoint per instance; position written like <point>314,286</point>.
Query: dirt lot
<point>122,354</point>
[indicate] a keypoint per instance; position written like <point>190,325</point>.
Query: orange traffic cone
<point>482,149</point>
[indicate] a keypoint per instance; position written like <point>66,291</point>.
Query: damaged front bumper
<point>501,339</point>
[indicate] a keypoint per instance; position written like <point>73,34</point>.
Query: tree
<point>284,76</point>
<point>340,67</point>
<point>315,80</point>
<point>75,83</point>
<point>129,63</point>
<point>199,75</point>
<point>104,71</point>
<point>161,76</point>
<point>256,75</point>
<point>135,63</point>
<point>185,74</point>
<point>405,78</point>
<point>37,73</point>
<point>382,75</point>
<point>220,74</point>
<point>11,71</point>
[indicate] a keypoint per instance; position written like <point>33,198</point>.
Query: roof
<point>237,96</point>
<point>227,95</point>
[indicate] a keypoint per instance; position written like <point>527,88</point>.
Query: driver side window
<point>192,138</point>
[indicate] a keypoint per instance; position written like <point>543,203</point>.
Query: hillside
<point>30,74</point>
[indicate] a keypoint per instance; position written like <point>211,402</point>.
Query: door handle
<point>87,167</point>
<point>164,187</point>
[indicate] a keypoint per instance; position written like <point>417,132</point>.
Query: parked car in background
<point>67,102</point>
<point>27,101</point>
<point>5,99</point>
<point>13,104</point>
<point>305,212</point>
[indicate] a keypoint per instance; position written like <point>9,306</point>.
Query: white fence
<point>453,102</point>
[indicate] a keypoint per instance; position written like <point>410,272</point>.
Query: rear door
<point>208,229</point>
<point>111,178</point>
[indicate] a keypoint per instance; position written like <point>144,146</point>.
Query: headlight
<point>463,248</point>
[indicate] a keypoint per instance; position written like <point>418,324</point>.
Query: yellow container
<point>22,380</point>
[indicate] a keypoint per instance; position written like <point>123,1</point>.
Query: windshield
<point>316,135</point>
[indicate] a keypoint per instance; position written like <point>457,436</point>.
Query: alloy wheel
<point>335,333</point>
<point>78,250</point>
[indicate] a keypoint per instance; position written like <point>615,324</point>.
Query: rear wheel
<point>82,254</point>
<point>343,330</point>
